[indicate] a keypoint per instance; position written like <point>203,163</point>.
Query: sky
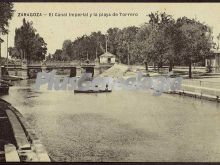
<point>56,29</point>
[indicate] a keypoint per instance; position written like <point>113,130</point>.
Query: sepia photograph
<point>109,82</point>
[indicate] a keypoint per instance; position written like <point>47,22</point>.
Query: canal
<point>120,126</point>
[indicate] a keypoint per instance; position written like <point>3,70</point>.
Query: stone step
<point>19,134</point>
<point>11,154</point>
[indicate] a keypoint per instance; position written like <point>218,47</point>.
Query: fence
<point>201,88</point>
<point>202,83</point>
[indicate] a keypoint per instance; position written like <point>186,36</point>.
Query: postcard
<point>109,82</point>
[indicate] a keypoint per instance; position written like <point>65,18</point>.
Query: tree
<point>161,37</point>
<point>49,57</point>
<point>78,49</point>
<point>141,48</point>
<point>218,38</point>
<point>6,14</point>
<point>29,44</point>
<point>113,41</point>
<point>66,50</point>
<point>194,41</point>
<point>57,55</point>
<point>14,53</point>
<point>97,44</point>
<point>125,38</point>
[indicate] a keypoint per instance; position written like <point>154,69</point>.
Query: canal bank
<point>18,141</point>
<point>205,87</point>
<point>200,95</point>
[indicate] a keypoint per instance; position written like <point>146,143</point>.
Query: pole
<point>0,56</point>
<point>7,52</point>
<point>128,55</point>
<point>0,60</point>
<point>218,38</point>
<point>106,44</point>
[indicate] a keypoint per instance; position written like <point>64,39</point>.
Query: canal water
<point>120,126</point>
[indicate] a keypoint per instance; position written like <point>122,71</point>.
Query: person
<point>106,87</point>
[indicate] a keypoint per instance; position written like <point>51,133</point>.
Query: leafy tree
<point>49,57</point>
<point>113,41</point>
<point>57,55</point>
<point>218,38</point>
<point>6,13</point>
<point>6,10</point>
<point>125,38</point>
<point>141,47</point>
<point>2,61</point>
<point>97,44</point>
<point>83,47</point>
<point>14,52</point>
<point>66,50</point>
<point>28,44</point>
<point>78,49</point>
<point>161,37</point>
<point>194,41</point>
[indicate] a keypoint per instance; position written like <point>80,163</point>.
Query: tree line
<point>160,41</point>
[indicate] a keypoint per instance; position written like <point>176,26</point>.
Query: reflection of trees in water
<point>28,96</point>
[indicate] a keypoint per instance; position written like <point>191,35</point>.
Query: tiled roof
<point>107,54</point>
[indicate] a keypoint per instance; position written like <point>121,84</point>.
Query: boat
<point>106,90</point>
<point>92,91</point>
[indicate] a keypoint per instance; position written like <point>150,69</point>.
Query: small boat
<point>92,91</point>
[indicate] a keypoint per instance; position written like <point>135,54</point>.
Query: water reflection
<point>120,126</point>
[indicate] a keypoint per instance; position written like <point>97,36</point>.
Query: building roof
<point>107,54</point>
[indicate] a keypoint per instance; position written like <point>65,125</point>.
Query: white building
<point>107,58</point>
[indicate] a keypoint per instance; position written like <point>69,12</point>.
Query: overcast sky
<point>55,29</point>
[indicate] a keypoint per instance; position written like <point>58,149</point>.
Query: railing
<point>187,67</point>
<point>202,83</point>
<point>51,63</point>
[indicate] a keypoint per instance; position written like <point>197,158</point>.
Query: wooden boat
<point>92,91</point>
